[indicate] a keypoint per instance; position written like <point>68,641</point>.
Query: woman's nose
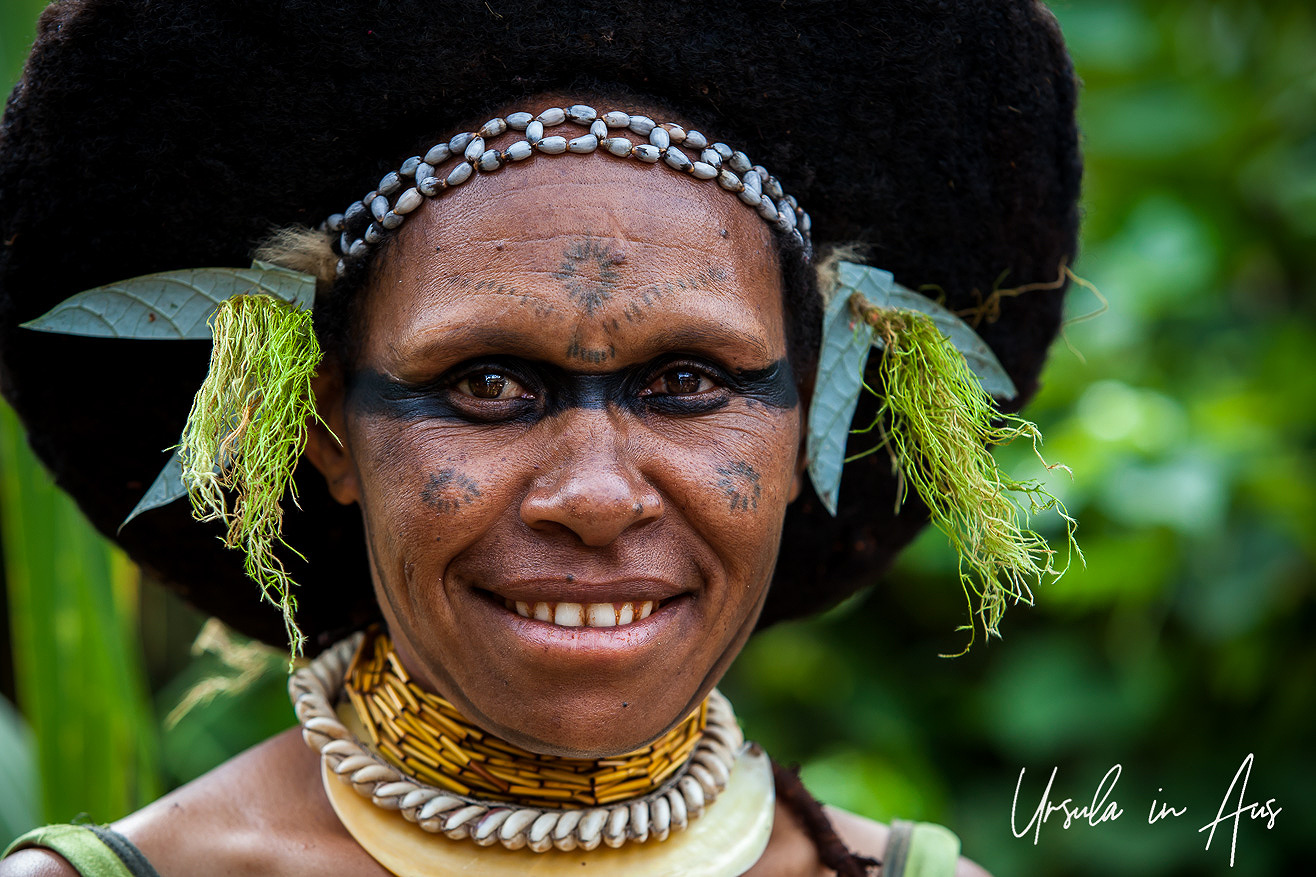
<point>593,486</point>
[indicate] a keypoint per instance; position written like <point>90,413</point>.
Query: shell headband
<point>248,423</point>
<point>449,164</point>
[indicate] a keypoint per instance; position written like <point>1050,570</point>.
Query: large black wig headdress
<point>147,137</point>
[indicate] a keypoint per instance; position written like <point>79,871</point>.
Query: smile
<point>565,614</point>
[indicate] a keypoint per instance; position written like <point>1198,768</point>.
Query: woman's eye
<point>490,385</point>
<point>681,382</point>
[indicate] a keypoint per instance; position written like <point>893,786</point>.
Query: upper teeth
<point>584,614</point>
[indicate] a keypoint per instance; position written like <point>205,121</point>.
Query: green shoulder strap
<point>93,851</point>
<point>920,849</point>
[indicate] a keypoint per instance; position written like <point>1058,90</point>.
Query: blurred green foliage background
<point>1187,412</point>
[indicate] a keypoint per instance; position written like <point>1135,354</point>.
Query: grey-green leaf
<point>167,487</point>
<point>880,289</point>
<point>841,361</point>
<point>170,305</point>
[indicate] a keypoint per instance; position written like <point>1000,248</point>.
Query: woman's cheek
<point>417,491</point>
<point>450,501</point>
<point>742,490</point>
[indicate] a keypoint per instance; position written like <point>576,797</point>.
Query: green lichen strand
<point>938,425</point>
<point>246,432</point>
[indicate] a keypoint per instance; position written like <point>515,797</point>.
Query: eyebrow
<point>715,338</point>
<point>488,336</point>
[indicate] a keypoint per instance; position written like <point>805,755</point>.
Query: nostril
<point>596,503</point>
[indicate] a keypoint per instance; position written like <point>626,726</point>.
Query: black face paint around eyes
<point>773,386</point>
<point>373,394</point>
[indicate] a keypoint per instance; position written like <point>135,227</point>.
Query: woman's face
<point>573,432</point>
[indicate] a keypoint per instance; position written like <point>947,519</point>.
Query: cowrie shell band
<point>447,165</point>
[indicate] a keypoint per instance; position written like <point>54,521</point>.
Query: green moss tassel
<point>247,430</point>
<point>938,424</point>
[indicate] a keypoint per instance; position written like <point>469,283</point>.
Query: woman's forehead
<point>604,253</point>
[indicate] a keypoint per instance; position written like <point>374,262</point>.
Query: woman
<point>566,393</point>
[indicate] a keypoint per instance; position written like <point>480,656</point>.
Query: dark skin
<point>591,406</point>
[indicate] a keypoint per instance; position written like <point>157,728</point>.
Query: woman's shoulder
<point>868,837</point>
<point>262,812</point>
<point>35,863</point>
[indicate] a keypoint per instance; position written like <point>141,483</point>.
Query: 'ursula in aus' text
<point>1103,807</point>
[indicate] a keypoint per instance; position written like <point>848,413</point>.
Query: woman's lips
<point>567,614</point>
<point>568,601</point>
<point>575,645</point>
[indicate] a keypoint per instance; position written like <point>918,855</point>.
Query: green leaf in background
<point>172,305</point>
<point>77,657</point>
<point>18,776</point>
<point>17,29</point>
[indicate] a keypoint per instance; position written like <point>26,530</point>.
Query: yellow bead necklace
<point>424,735</point>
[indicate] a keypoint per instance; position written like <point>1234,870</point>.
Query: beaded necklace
<point>425,736</point>
<point>649,794</point>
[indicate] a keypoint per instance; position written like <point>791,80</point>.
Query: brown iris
<point>682,381</point>
<point>487,386</point>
